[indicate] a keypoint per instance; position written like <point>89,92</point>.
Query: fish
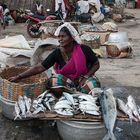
<point>87,98</point>
<point>123,107</point>
<point>22,106</point>
<point>17,111</point>
<point>95,92</point>
<point>39,109</point>
<point>88,103</point>
<point>132,105</point>
<point>28,105</point>
<point>92,112</point>
<point>65,112</point>
<point>109,112</point>
<point>62,105</point>
<point>69,97</point>
<point>88,107</point>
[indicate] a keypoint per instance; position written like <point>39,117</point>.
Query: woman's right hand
<point>14,78</point>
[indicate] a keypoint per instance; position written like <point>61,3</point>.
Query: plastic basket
<point>31,87</point>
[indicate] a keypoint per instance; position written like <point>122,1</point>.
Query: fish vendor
<point>75,64</point>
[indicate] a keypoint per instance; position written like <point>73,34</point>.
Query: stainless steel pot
<point>78,130</point>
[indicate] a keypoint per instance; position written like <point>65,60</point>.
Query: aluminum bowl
<point>78,130</point>
<point>118,37</point>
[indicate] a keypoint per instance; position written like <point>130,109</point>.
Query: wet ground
<point>122,75</point>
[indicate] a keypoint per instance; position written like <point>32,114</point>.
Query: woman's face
<point>64,39</point>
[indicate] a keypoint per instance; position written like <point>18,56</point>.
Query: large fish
<point>109,112</point>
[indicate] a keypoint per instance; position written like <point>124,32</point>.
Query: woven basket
<point>31,87</point>
<point>94,44</point>
<point>112,51</point>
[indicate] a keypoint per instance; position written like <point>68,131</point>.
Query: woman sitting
<point>74,64</point>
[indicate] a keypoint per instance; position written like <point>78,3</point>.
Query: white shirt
<point>1,11</point>
<point>57,2</point>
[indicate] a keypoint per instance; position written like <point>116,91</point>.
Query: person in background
<point>1,13</point>
<point>75,64</point>
<point>39,9</point>
<point>60,8</point>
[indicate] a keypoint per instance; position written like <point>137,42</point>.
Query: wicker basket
<point>94,44</point>
<point>31,87</point>
<point>112,51</point>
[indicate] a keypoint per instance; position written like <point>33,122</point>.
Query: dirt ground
<point>122,75</point>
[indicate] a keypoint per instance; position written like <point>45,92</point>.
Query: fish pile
<point>43,102</point>
<point>71,104</point>
<point>22,107</point>
<point>130,108</point>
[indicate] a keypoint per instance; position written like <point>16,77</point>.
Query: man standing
<point>60,8</point>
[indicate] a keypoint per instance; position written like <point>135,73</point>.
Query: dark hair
<point>66,30</point>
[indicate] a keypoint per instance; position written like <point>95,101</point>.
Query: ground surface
<point>123,75</point>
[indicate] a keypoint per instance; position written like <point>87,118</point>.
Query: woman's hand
<point>14,78</point>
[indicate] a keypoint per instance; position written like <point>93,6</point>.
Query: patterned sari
<point>84,85</point>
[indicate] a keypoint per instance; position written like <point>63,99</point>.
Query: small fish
<point>42,95</point>
<point>17,111</point>
<point>132,105</point>
<point>65,112</point>
<point>22,106</point>
<point>123,107</point>
<point>88,103</point>
<point>93,112</point>
<point>69,97</point>
<point>28,105</point>
<point>62,105</point>
<point>39,109</point>
<point>85,107</point>
<point>87,97</point>
<point>109,112</point>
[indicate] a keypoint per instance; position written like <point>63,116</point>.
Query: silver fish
<point>17,111</point>
<point>132,105</point>
<point>93,112</point>
<point>39,109</point>
<point>22,106</point>
<point>28,105</point>
<point>123,107</point>
<point>69,97</point>
<point>62,105</point>
<point>65,112</point>
<point>87,97</point>
<point>89,107</point>
<point>109,112</point>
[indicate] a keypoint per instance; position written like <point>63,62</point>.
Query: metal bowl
<point>8,109</point>
<point>78,130</point>
<point>118,37</point>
